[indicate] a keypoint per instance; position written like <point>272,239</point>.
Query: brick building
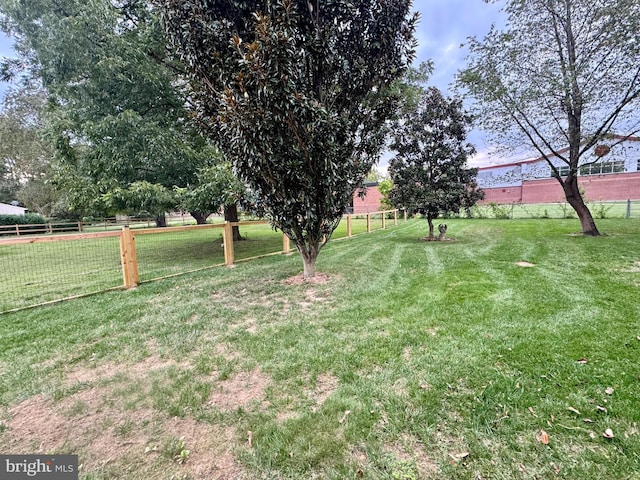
<point>370,202</point>
<point>614,176</point>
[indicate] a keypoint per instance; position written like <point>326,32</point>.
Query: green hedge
<point>26,219</point>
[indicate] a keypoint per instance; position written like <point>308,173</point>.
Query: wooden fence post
<point>129,259</point>
<point>227,237</point>
<point>405,214</point>
<point>384,220</point>
<point>286,244</point>
<point>395,217</point>
<point>349,234</point>
<point>368,223</point>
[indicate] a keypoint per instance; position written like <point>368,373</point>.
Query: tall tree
<point>561,73</point>
<point>217,188</point>
<point>26,153</point>
<point>118,112</point>
<point>296,93</point>
<point>429,172</point>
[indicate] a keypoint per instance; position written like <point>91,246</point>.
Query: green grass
<point>416,360</point>
<point>42,272</point>
<point>599,210</point>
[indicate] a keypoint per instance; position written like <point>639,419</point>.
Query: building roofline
<point>563,150</point>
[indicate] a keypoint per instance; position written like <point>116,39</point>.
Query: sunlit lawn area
<point>507,352</point>
<point>42,272</point>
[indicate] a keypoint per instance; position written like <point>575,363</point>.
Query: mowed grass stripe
<point>449,358</point>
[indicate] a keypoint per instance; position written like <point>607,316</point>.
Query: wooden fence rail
<point>127,241</point>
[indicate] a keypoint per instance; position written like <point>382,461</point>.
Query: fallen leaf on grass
<point>571,409</point>
<point>583,361</point>
<point>609,391</point>
<point>456,457</point>
<point>587,420</point>
<point>344,417</point>
<point>608,433</point>
<point>250,439</point>
<point>543,437</point>
<point>556,469</point>
<point>533,412</point>
<point>601,409</point>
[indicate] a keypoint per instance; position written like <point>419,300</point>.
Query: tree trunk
<point>430,222</point>
<point>574,198</point>
<point>201,218</point>
<point>231,215</point>
<point>309,254</point>
<point>161,221</point>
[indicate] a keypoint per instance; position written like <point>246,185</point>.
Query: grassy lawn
<point>42,272</point>
<point>415,360</point>
<point>599,210</point>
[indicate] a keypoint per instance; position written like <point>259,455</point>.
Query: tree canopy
<point>562,73</point>
<point>296,92</point>
<point>26,154</point>
<point>117,110</point>
<point>429,171</point>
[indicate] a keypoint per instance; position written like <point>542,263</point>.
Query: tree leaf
<point>543,437</point>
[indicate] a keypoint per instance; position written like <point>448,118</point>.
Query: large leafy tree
<point>118,114</point>
<point>26,153</point>
<point>296,94</point>
<point>217,188</point>
<point>561,73</point>
<point>429,171</point>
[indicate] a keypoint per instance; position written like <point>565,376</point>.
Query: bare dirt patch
<point>239,390</point>
<point>635,268</point>
<point>226,351</point>
<point>525,264</point>
<point>411,450</point>
<point>436,239</point>
<point>93,425</point>
<point>210,449</point>
<point>326,384</point>
<point>317,279</point>
<point>105,371</point>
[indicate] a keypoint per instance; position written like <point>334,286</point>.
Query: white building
<point>6,209</point>
<point>614,176</point>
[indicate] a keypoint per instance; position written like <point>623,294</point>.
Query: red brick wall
<point>502,195</point>
<point>370,203</point>
<point>622,186</point>
<point>542,191</point>
<point>612,187</point>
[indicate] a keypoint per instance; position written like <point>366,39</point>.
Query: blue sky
<point>444,26</point>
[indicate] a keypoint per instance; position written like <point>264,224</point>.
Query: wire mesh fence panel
<point>39,272</point>
<point>358,224</point>
<point>172,252</point>
<point>260,239</point>
<point>618,209</point>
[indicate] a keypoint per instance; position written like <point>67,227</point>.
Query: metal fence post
<point>628,208</point>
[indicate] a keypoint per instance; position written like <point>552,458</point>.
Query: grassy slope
<point>449,357</point>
